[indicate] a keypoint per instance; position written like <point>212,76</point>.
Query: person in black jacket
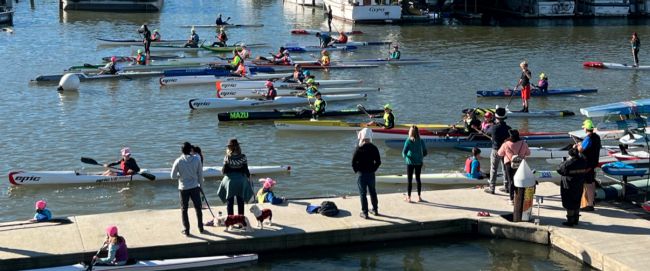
<point>498,133</point>
<point>365,162</point>
<point>573,173</point>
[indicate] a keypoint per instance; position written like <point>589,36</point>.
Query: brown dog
<point>261,215</point>
<point>231,220</point>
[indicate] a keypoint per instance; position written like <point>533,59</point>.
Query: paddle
<point>91,161</point>
<point>92,263</point>
<point>512,95</point>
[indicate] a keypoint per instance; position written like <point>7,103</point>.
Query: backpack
<point>328,208</point>
<point>515,161</point>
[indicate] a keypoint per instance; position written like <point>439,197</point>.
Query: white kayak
<point>158,49</point>
<point>540,152</point>
<point>231,103</point>
<point>459,178</point>
<point>211,79</point>
<point>169,264</point>
<point>610,65</point>
<point>278,85</point>
<point>128,42</point>
<point>259,92</point>
<point>20,178</point>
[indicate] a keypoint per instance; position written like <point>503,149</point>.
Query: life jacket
<point>223,37</point>
<point>241,69</point>
<point>156,37</point>
<point>395,55</point>
<point>141,59</point>
<point>311,91</point>
<point>343,39</point>
<point>271,94</point>
<point>325,60</point>
<point>261,195</point>
<point>123,167</point>
<point>468,165</point>
<point>386,119</point>
<point>542,83</point>
<point>235,61</point>
<point>112,68</point>
<point>319,105</point>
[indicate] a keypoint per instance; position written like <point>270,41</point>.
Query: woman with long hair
<point>235,185</point>
<point>513,149</point>
<point>414,152</point>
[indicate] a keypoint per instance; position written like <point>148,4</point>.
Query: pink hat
<point>268,84</point>
<point>41,204</point>
<point>268,183</point>
<point>113,59</point>
<point>126,151</point>
<point>111,231</point>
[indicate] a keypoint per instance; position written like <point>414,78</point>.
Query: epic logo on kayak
<point>22,179</point>
<point>227,93</point>
<point>228,85</point>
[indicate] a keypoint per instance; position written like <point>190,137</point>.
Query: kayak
<point>337,125</point>
<point>538,152</point>
<point>531,114</point>
<point>615,191</point>
<point>302,49</point>
<point>608,65</point>
<point>289,114</point>
<point>313,32</point>
<point>551,92</point>
<point>279,85</point>
<point>310,65</point>
<point>634,107</point>
<point>218,71</point>
<point>349,43</point>
<point>92,77</point>
<point>231,103</point>
<point>90,68</point>
<point>475,140</point>
<point>259,93</point>
<point>169,264</point>
<point>162,174</point>
<point>460,178</point>
<point>226,25</point>
<point>133,58</point>
<point>211,79</point>
<point>228,49</point>
<point>168,48</point>
<point>613,130</point>
<point>623,169</point>
<point>403,61</point>
<point>128,42</point>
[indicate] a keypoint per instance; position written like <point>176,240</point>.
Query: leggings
<point>240,205</point>
<point>409,175</point>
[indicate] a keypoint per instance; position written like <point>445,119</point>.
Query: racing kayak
<point>641,106</point>
<point>310,65</point>
<point>169,264</point>
<point>302,49</point>
<point>211,79</point>
<point>403,61</point>
<point>133,58</point>
<point>539,152</point>
<point>129,42</point>
<point>551,92</point>
<point>226,25</point>
<point>337,125</point>
<point>613,130</point>
<point>475,140</point>
<point>161,174</point>
<point>314,31</point>
<point>460,178</point>
<point>231,103</point>
<point>279,85</point>
<point>289,114</point>
<point>218,71</point>
<point>228,49</point>
<point>531,114</point>
<point>259,93</point>
<point>90,68</point>
<point>169,48</point>
<point>91,77</point>
<point>349,43</point>
<point>608,65</point>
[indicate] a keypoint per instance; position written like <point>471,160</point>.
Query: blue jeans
<point>366,182</point>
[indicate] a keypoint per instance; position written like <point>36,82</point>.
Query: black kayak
<point>302,114</point>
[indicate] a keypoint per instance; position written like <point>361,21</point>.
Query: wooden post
<point>519,204</point>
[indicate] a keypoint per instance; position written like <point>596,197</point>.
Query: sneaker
<point>185,232</point>
<point>363,215</point>
<point>587,209</point>
<point>374,212</point>
<point>489,190</point>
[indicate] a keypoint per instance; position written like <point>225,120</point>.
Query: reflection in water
<point>368,262</point>
<point>412,260</point>
<point>93,17</point>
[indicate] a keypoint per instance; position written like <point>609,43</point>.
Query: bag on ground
<point>328,208</point>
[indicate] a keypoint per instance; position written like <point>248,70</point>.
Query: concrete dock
<point>607,239</point>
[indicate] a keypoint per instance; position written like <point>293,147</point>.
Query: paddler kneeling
<point>318,108</point>
<point>389,118</point>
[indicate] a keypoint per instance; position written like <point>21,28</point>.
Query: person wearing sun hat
<point>590,149</point>
<point>498,134</point>
<point>389,118</point>
<point>128,165</point>
<point>266,194</point>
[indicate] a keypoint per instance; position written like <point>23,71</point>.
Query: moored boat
<point>129,42</point>
<point>211,79</point>
<point>460,178</point>
<point>224,25</point>
<point>641,106</point>
<point>259,93</point>
<point>92,77</point>
<point>231,103</point>
<point>289,114</point>
<point>337,125</point>
<point>551,92</point>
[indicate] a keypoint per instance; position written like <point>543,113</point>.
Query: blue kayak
<point>215,72</point>
<point>298,49</point>
<point>621,108</point>
<point>508,92</point>
<point>623,169</point>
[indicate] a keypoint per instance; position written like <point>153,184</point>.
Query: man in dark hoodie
<point>498,133</point>
<point>365,162</point>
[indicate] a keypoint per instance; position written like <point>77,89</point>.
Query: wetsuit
<point>147,40</point>
<point>636,44</point>
<point>325,40</point>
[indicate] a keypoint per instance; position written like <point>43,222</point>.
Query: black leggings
<point>636,56</point>
<point>240,205</point>
<point>409,175</point>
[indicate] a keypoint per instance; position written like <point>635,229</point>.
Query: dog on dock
<point>261,215</point>
<point>231,220</point>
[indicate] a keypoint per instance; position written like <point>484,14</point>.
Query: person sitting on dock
<point>128,166</point>
<point>473,165</point>
<point>325,39</point>
<point>271,92</point>
<point>193,42</point>
<point>389,118</point>
<point>222,38</point>
<point>141,58</point>
<point>542,84</point>
<point>318,108</point>
<point>342,39</point>
<point>116,247</point>
<point>156,35</point>
<point>265,194</point>
<point>110,68</point>
<point>42,213</point>
<point>395,54</point>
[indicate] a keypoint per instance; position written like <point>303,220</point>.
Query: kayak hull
<point>337,125</point>
<point>303,114</point>
<point>211,79</point>
<point>550,92</point>
<point>433,142</point>
<point>229,103</point>
<point>211,71</point>
<point>459,178</point>
<point>531,114</point>
<point>129,42</point>
<point>279,85</point>
<point>641,106</point>
<point>95,77</point>
<point>609,65</point>
<point>259,93</point>
<point>224,25</point>
<point>314,31</point>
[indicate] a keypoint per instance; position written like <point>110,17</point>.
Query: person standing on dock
<point>590,149</point>
<point>189,171</point>
<point>413,153</point>
<point>498,133</point>
<point>513,150</point>
<point>146,38</point>
<point>573,178</point>
<point>235,185</point>
<point>636,44</point>
<point>365,162</point>
<point>524,82</point>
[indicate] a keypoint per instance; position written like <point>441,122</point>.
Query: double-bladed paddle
<point>91,161</point>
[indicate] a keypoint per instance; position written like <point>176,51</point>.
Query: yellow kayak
<point>337,125</point>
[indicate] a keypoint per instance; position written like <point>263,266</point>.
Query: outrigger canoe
<point>222,25</point>
<point>337,125</point>
<point>314,31</point>
<point>92,77</point>
<point>231,103</point>
<point>211,79</point>
<point>459,178</point>
<point>289,114</point>
<point>20,178</point>
<point>259,93</point>
<point>634,107</point>
<point>551,92</point>
<point>531,114</point>
<point>129,42</point>
<point>608,65</point>
<point>260,84</point>
<point>169,264</point>
<point>476,140</point>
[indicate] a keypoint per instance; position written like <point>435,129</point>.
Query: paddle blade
<point>149,176</point>
<point>87,160</point>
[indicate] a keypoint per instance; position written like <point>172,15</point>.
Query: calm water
<point>47,130</point>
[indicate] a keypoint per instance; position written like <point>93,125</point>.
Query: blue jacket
<point>43,215</point>
<point>414,152</point>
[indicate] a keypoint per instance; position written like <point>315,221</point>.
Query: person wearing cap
<point>325,58</point>
<point>146,37</point>
<point>511,147</point>
<point>236,60</point>
<point>128,166</point>
<point>524,82</point>
<point>498,134</point>
<point>188,169</point>
<point>116,247</point>
<point>222,38</point>
<point>325,39</point>
<point>234,186</point>
<point>319,106</point>
<point>265,194</point>
<point>395,54</point>
<point>285,59</point>
<point>219,21</point>
<point>342,39</point>
<point>245,53</point>
<point>156,35</point>
<point>297,75</point>
<point>365,162</point>
<point>141,58</point>
<point>42,213</point>
<point>389,118</point>
<point>542,84</point>
<point>312,88</point>
<point>271,92</point>
<point>590,149</point>
<point>573,173</point>
<point>488,121</point>
<point>636,44</point>
<point>193,42</point>
<point>110,67</point>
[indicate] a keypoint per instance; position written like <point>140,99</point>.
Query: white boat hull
<point>605,7</point>
<point>211,79</point>
<point>459,178</point>
<point>259,93</point>
<point>345,10</point>
<point>230,103</point>
<point>315,3</point>
<point>279,85</point>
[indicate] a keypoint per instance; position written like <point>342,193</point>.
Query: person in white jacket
<point>189,171</point>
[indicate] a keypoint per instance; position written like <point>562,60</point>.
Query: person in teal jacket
<point>414,152</point>
<point>42,213</point>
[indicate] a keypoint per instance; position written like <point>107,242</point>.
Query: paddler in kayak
<point>141,58</point>
<point>636,44</point>
<point>395,54</point>
<point>42,213</point>
<point>222,38</point>
<point>318,108</point>
<point>236,59</point>
<point>116,247</point>
<point>128,166</point>
<point>245,53</point>
<point>312,88</point>
<point>297,75</point>
<point>325,59</point>
<point>241,70</point>
<point>488,121</point>
<point>342,39</point>
<point>193,42</point>
<point>220,21</point>
<point>389,118</point>
<point>156,35</point>
<point>325,39</point>
<point>524,82</point>
<point>471,124</point>
<point>542,84</point>
<point>271,92</point>
<point>110,68</point>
